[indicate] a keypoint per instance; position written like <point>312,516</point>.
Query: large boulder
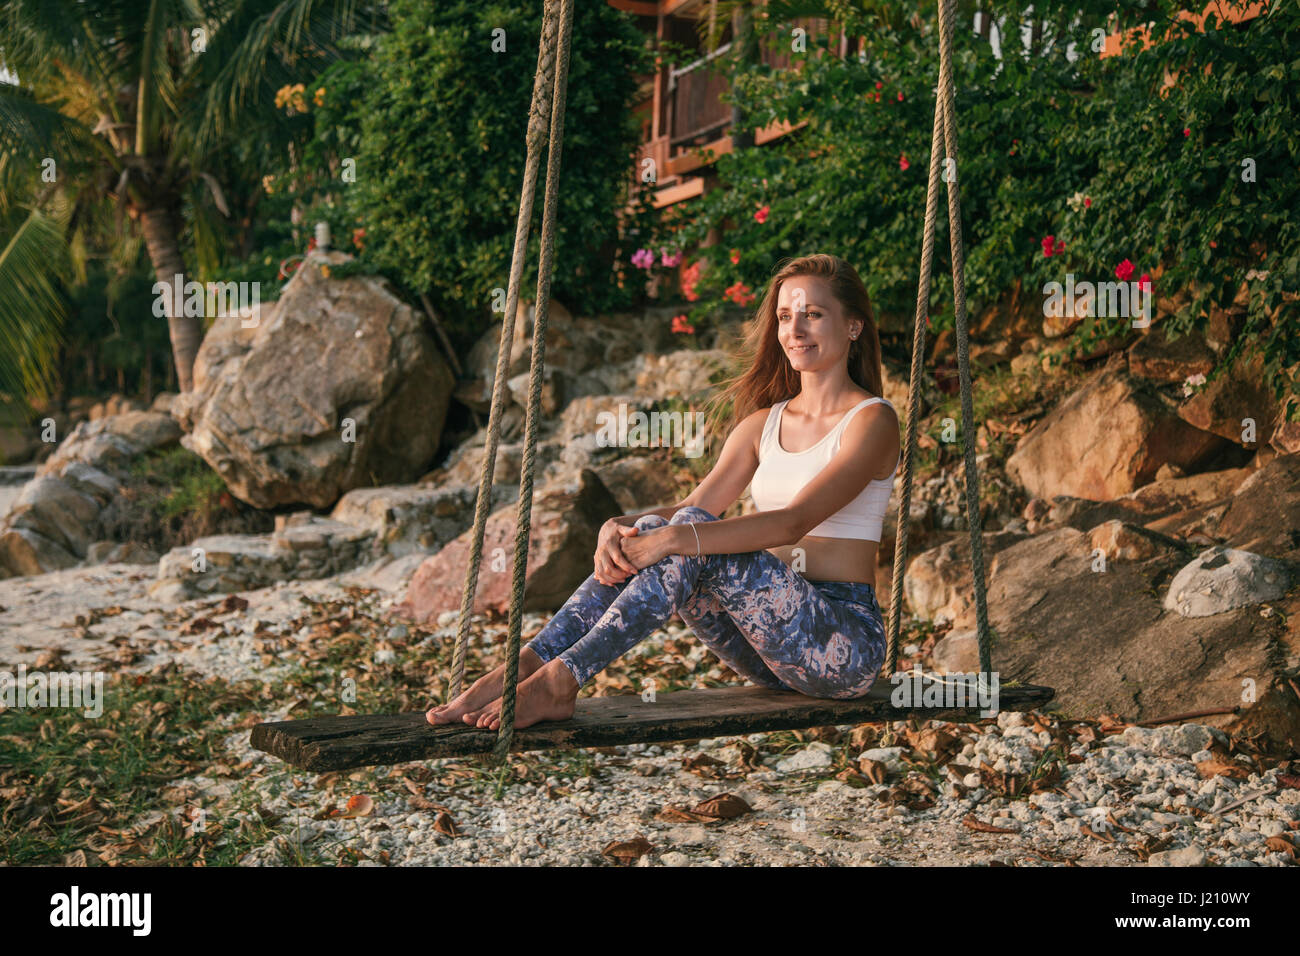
<point>565,523</point>
<point>54,520</point>
<point>1107,439</point>
<point>1097,633</point>
<point>271,405</point>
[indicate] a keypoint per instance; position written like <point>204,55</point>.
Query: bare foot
<point>549,694</point>
<point>483,691</point>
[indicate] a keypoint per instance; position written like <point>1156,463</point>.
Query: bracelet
<point>697,538</point>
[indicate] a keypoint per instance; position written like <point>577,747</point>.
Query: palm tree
<point>136,101</point>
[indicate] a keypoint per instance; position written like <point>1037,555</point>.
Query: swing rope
<point>944,134</point>
<point>546,117</point>
<point>549,89</point>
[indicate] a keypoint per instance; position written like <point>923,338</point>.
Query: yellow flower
<point>267,182</point>
<point>320,97</point>
<point>325,271</point>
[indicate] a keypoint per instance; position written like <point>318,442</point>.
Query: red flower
<point>359,237</point>
<point>1048,243</point>
<point>739,293</point>
<point>879,85</point>
<point>900,96</point>
<point>690,276</point>
<point>877,97</point>
<point>1124,270</point>
<point>761,215</point>
<point>1213,244</point>
<point>902,162</point>
<point>1187,131</point>
<point>1144,283</point>
<point>1060,247</point>
<point>735,257</point>
<point>682,326</point>
<point>311,243</point>
<point>1087,202</point>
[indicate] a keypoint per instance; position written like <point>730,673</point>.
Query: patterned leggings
<point>763,620</point>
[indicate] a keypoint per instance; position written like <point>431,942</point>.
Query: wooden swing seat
<point>345,743</point>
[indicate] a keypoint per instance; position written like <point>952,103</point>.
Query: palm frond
<point>33,264</point>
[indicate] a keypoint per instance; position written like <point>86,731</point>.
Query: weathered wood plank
<point>343,743</point>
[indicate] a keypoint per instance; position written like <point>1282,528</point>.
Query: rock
<point>816,756</point>
<point>1263,513</point>
<point>1103,641</point>
<point>938,581</point>
<point>674,858</point>
<point>1220,579</point>
<point>891,757</point>
<point>409,518</point>
<point>1119,541</point>
<point>1237,404</point>
<point>1192,855</point>
<point>1065,511</point>
<point>304,548</point>
<point>1170,495</point>
<point>1183,740</point>
<point>1156,357</point>
<point>111,444</point>
<point>113,552</point>
<point>552,396</point>
<point>271,404</point>
<point>564,525</point>
<point>162,402</point>
<point>1106,439</point>
<point>957,652</point>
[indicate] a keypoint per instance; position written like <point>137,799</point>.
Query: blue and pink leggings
<point>763,620</point>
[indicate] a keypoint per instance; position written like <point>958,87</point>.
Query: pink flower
<point>735,257</point>
<point>900,96</point>
<point>670,259</point>
<point>680,325</point>
<point>761,215</point>
<point>1187,131</point>
<point>643,258</point>
<point>1124,270</point>
<point>902,162</point>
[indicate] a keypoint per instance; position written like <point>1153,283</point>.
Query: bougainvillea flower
<point>1124,270</point>
<point>643,258</point>
<point>735,257</point>
<point>902,162</point>
<point>761,215</point>
<point>669,259</point>
<point>681,325</point>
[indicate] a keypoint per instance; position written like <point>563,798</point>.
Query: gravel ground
<point>1125,795</point>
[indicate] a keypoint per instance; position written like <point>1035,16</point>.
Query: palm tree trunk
<point>165,254</point>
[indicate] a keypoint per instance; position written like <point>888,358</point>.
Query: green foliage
<point>437,129</point>
<point>1036,134</point>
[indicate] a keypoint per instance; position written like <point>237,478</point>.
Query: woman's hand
<point>621,551</point>
<point>611,565</point>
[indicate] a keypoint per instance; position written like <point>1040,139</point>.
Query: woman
<point>784,596</point>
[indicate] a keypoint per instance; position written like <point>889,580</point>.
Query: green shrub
<point>438,123</point>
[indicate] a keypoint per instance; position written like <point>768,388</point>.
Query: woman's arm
<point>752,532</point>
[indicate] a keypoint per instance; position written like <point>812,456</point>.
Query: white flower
<point>1191,383</point>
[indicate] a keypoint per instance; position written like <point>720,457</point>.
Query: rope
<point>963,340</point>
<point>537,129</point>
<point>545,266</point>
<point>944,133</point>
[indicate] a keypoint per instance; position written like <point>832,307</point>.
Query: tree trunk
<point>165,254</point>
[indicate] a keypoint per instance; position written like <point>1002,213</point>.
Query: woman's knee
<point>692,513</point>
<point>646,522</point>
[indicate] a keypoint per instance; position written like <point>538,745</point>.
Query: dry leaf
<point>1216,766</point>
<point>725,806</point>
<point>445,825</point>
<point>359,806</point>
<point>982,827</point>
<point>628,852</point>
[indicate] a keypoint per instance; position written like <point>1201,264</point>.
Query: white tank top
<point>781,474</point>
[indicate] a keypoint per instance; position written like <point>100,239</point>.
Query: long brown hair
<point>768,377</point>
